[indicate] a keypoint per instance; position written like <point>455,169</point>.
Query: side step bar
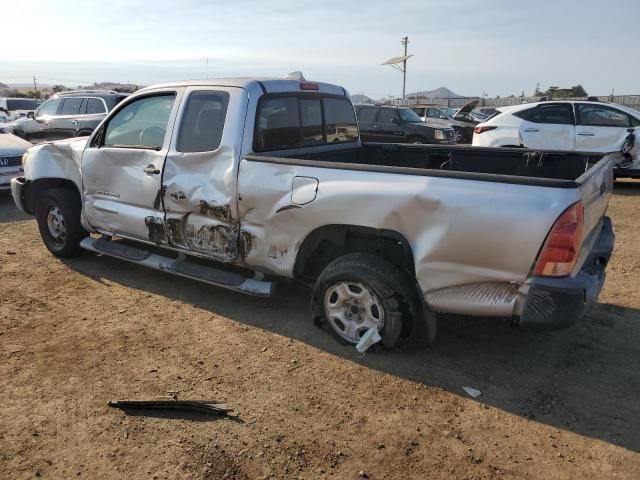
<point>180,267</point>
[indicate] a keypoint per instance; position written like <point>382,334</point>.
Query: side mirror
<point>31,115</point>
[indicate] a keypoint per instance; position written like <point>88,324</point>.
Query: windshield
<point>408,115</point>
<point>449,112</point>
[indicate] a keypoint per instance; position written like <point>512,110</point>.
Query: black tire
<point>392,287</point>
<point>68,208</point>
<point>417,139</point>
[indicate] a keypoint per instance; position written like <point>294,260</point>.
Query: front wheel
<point>357,292</point>
<point>58,216</point>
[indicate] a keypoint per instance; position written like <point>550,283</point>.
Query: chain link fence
<point>632,101</point>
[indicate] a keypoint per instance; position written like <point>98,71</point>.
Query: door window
<point>141,123</point>
<point>559,114</point>
<point>435,113</point>
<point>602,116</point>
<point>366,114</point>
<point>387,115</point>
<point>95,106</point>
<point>49,108</point>
<point>71,106</point>
<point>203,121</point>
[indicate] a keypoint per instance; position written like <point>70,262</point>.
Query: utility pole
<point>207,68</point>
<point>405,41</point>
<point>35,87</point>
<point>395,62</point>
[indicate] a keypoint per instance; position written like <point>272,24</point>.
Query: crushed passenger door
<point>199,180</point>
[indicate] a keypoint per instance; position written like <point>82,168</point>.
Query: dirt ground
<point>75,334</point>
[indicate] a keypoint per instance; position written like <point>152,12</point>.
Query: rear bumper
<point>553,303</point>
<point>18,191</point>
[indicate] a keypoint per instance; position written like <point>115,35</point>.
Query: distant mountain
<point>3,85</point>
<point>442,92</point>
<point>358,98</point>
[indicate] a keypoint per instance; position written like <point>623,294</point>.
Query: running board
<point>180,267</point>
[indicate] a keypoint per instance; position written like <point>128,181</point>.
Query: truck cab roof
<point>263,84</point>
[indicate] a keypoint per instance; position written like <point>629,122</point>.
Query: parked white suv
<point>559,125</point>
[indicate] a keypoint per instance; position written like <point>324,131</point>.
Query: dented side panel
<point>61,159</point>
<point>199,189</point>
<point>461,231</point>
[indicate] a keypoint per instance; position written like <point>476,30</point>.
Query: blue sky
<point>496,46</point>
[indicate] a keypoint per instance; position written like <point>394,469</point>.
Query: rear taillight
<point>560,251</point>
<point>482,129</point>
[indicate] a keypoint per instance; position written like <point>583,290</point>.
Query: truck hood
<point>467,107</point>
<point>13,145</point>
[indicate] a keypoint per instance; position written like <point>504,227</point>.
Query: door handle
<point>531,129</point>
<point>151,168</point>
<point>75,122</point>
<point>586,134</point>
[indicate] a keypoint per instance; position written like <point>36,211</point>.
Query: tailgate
<point>596,186</point>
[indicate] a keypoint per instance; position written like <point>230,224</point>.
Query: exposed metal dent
<point>221,212</point>
<point>157,232</point>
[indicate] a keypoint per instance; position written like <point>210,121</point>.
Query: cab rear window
<point>294,121</point>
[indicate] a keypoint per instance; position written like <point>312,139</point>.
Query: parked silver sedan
<point>11,150</point>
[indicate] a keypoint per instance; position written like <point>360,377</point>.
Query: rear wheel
<point>58,216</point>
<point>357,292</point>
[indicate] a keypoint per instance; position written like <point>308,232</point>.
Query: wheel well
<point>416,136</point>
<point>38,187</point>
<point>327,243</point>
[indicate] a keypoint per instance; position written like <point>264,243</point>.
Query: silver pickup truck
<point>240,182</point>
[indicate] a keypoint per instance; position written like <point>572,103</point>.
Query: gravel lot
<point>75,334</point>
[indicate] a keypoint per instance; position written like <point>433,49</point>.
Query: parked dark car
<point>68,114</point>
<point>388,124</point>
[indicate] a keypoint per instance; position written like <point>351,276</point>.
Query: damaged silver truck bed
<point>239,182</point>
